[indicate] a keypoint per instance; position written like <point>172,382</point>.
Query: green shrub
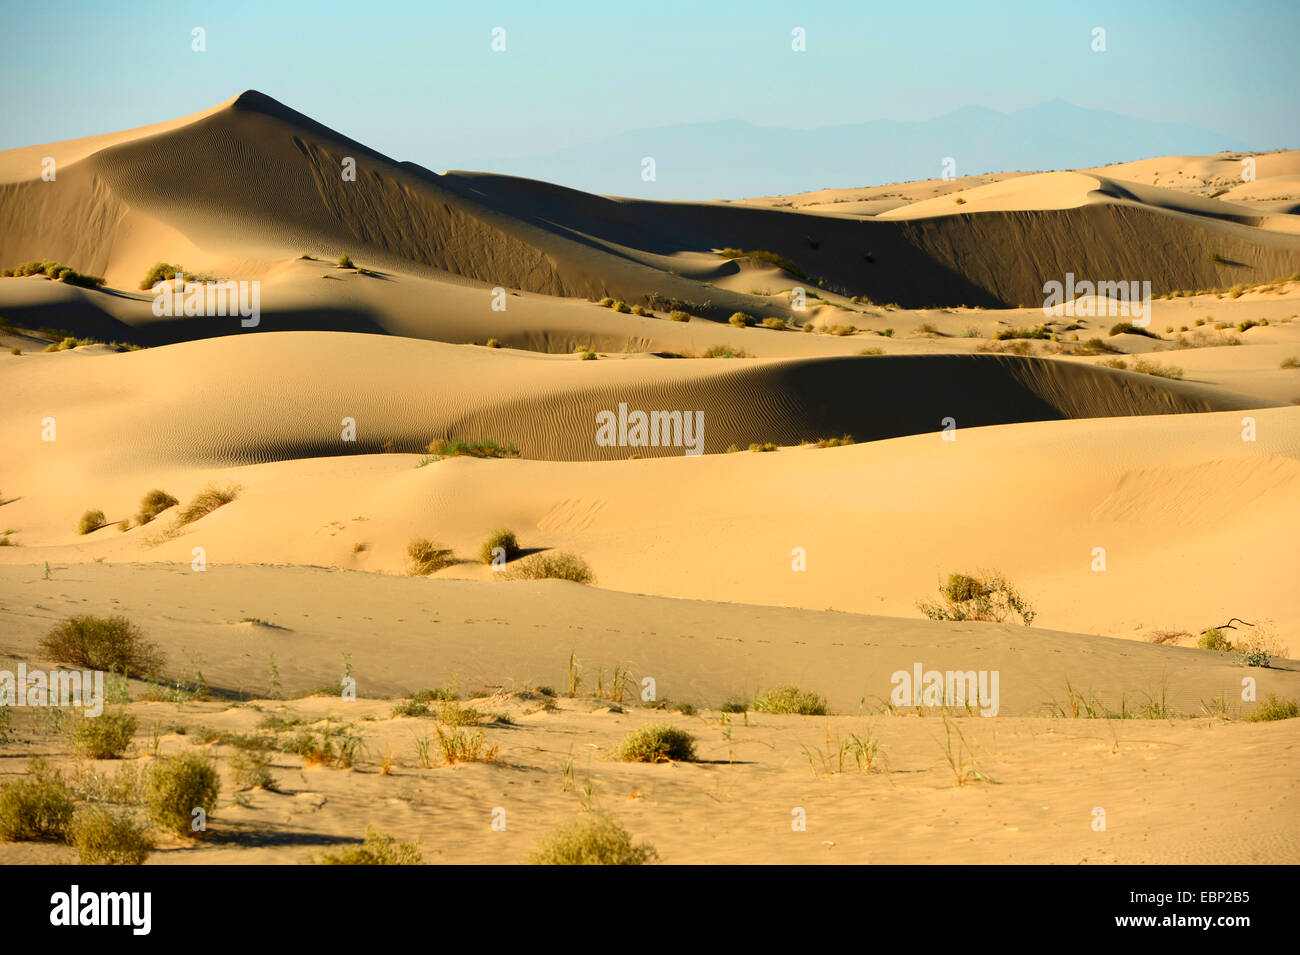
<point>112,644</point>
<point>622,307</point>
<point>160,273</point>
<point>378,849</point>
<point>428,557</point>
<point>1213,639</point>
<point>37,806</point>
<point>153,504</point>
<point>177,785</point>
<point>557,565</point>
<point>790,699</point>
<point>503,538</point>
<point>1271,708</point>
<point>741,319</point>
<point>592,840</point>
<point>103,837</point>
<point>91,521</point>
<point>106,736</point>
<point>207,501</point>
<point>987,596</point>
<point>657,743</point>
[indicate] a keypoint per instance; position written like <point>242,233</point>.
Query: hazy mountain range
<point>731,159</point>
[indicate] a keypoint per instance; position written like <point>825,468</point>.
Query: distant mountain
<point>735,160</point>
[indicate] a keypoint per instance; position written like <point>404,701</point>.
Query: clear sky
<point>419,80</point>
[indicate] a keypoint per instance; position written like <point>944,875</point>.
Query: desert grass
<point>482,448</point>
<point>36,807</point>
<point>986,595</point>
<point>106,736</point>
<point>153,504</point>
<point>502,540</point>
<point>427,557</point>
<point>379,848</point>
<point>657,743</point>
<point>1272,708</point>
<point>558,565</point>
<point>592,840</point>
<point>90,521</point>
<point>175,787</point>
<point>113,644</point>
<point>790,699</point>
<point>460,746</point>
<point>104,837</point>
<point>206,501</point>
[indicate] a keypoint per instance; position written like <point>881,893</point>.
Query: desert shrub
<point>103,837</point>
<point>987,596</point>
<point>835,442</point>
<point>207,501</point>
<point>872,351</point>
<point>677,315</point>
<point>1128,328</point>
<point>790,699</point>
<point>735,705</point>
<point>1292,362</point>
<point>1145,366</point>
<point>642,311</point>
<point>112,644</point>
<point>558,565</point>
<point>177,785</point>
<point>427,557</point>
<point>586,354</point>
<point>621,306</point>
<point>345,262</point>
<point>1271,708</point>
<point>724,351</point>
<point>460,746</point>
<point>765,446</point>
<point>37,806</point>
<point>503,538</point>
<point>657,743</point>
<point>1255,657</point>
<point>91,521</point>
<point>101,737</point>
<point>1007,333</point>
<point>493,343</point>
<point>772,258</point>
<point>483,448</point>
<point>592,840</point>
<point>160,273</point>
<point>606,302</point>
<point>840,331</point>
<point>251,768</point>
<point>153,504</point>
<point>1213,639</point>
<point>776,323</point>
<point>378,849</point>
<point>741,319</point>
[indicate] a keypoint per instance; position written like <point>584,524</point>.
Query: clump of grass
<point>106,736</point>
<point>593,840</point>
<point>160,273</point>
<point>482,448</point>
<point>763,255</point>
<point>657,743</point>
<point>177,785</point>
<point>741,319</point>
<point>153,504</point>
<point>642,311</point>
<point>207,501</point>
<point>1145,366</point>
<point>460,746</point>
<point>985,596</point>
<point>113,644</point>
<point>558,565</point>
<point>493,343</point>
<point>1004,334</point>
<point>503,539</point>
<point>725,351</point>
<point>379,848</point>
<point>778,324</point>
<point>586,354</point>
<point>37,806</point>
<point>790,699</point>
<point>762,447</point>
<point>251,768</point>
<point>835,442</point>
<point>1128,328</point>
<point>1214,639</point>
<point>104,837</point>
<point>427,557</point>
<point>1271,708</point>
<point>840,331</point>
<point>91,521</point>
<point>623,307</point>
<point>345,262</point>
<point>872,351</point>
<point>1292,362</point>
<point>677,315</point>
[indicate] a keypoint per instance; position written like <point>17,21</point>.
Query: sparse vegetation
<point>36,806</point>
<point>592,840</point>
<point>175,786</point>
<point>505,540</point>
<point>1145,366</point>
<point>345,262</point>
<point>557,565</point>
<point>765,446</point>
<point>741,319</point>
<point>1214,639</point>
<point>379,848</point>
<point>985,596</point>
<point>1272,708</point>
<point>775,323</point>
<point>677,315</point>
<point>657,743</point>
<point>482,448</point>
<point>112,644</point>
<point>153,504</point>
<point>427,557</point>
<point>104,837</point>
<point>207,501</point>
<point>772,258</point>
<point>56,273</point>
<point>1128,328</point>
<point>106,736</point>
<point>790,699</point>
<point>160,273</point>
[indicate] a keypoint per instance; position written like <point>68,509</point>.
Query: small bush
<point>160,273</point>
<point>1271,708</point>
<point>623,307</point>
<point>251,769</point>
<point>378,849</point>
<point>558,565</point>
<point>642,311</point>
<point>427,557</point>
<point>103,837</point>
<point>1128,328</point>
<point>484,448</point>
<point>1292,362</point>
<point>1008,333</point>
<point>207,501</point>
<point>606,302</point>
<point>987,596</point>
<point>790,699</point>
<point>592,840</point>
<point>91,521</point>
<point>345,262</point>
<point>835,442</point>
<point>741,319</point>
<point>106,736</point>
<point>677,315</point>
<point>765,446</point>
<point>177,785</point>
<point>1145,366</point>
<point>503,538</point>
<point>657,743</point>
<point>775,323</point>
<point>725,351</point>
<point>153,504</point>
<point>37,806</point>
<point>772,258</point>
<point>112,644</point>
<point>493,343</point>
<point>1214,639</point>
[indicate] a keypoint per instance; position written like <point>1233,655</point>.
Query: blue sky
<point>418,80</point>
